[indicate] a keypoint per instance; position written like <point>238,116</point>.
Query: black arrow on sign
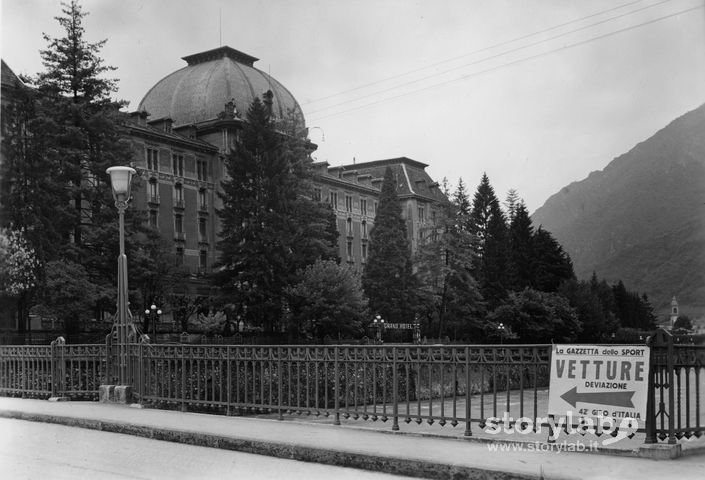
<point>615,399</point>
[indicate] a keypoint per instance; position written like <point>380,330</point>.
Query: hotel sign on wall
<point>599,381</point>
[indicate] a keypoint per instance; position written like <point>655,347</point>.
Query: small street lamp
<point>501,329</point>
<point>417,330</point>
<point>121,180</point>
<point>152,315</point>
<point>378,323</point>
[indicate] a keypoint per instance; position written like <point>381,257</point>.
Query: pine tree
<point>68,131</point>
<point>489,227</point>
<point>511,203</point>
<point>270,226</point>
<point>449,292</point>
<point>462,207</point>
<point>388,279</point>
<point>521,234</point>
<point>551,264</point>
<point>599,322</point>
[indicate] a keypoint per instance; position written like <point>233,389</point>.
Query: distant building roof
<point>410,175</point>
<point>9,79</point>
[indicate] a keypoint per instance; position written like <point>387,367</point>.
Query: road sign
<point>599,381</point>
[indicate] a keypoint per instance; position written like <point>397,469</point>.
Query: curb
<point>326,456</point>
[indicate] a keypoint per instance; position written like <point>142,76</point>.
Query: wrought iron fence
<point>41,371</point>
<point>675,383</point>
<point>439,384</point>
<point>448,385</point>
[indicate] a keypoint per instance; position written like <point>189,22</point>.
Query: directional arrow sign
<point>614,399</point>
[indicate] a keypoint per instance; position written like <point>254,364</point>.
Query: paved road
<point>30,450</point>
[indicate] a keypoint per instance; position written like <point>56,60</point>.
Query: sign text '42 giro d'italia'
<point>599,381</point>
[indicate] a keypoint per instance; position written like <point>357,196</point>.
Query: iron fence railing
<point>443,384</point>
<point>41,371</point>
<point>675,385</point>
<point>459,385</point>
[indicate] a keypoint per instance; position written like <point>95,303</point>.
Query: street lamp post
<point>378,322</point>
<point>417,330</point>
<point>120,180</point>
<point>501,328</point>
<point>152,315</point>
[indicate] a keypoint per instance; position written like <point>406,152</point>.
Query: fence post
<point>228,411</point>
<point>108,359</point>
<point>671,394</point>
<point>280,381</point>
<point>468,394</point>
<point>58,377</point>
<point>651,394</point>
<point>140,372</point>
<point>336,387</point>
<point>395,391</point>
<point>183,380</point>
<point>53,368</point>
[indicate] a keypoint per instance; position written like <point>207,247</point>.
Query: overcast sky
<point>537,93</point>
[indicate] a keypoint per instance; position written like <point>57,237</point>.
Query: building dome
<point>200,91</point>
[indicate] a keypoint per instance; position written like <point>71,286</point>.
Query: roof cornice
<point>218,53</point>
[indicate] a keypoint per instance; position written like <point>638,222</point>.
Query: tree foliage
<point>488,224</point>
<point>593,304</point>
<point>633,310</point>
<point>71,295</point>
<point>388,279</point>
<point>550,264</point>
<point>62,135</point>
<point>683,324</point>
<point>328,300</point>
<point>271,228</point>
<point>453,302</point>
<point>538,317</point>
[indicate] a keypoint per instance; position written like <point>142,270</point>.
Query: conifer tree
<point>64,134</point>
<point>270,226</point>
<point>388,279</point>
<point>489,226</point>
<point>521,234</point>
<point>551,264</point>
<point>511,203</point>
<point>461,204</point>
<point>450,294</point>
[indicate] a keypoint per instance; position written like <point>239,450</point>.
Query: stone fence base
<point>115,394</point>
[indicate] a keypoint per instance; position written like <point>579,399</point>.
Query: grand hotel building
<point>189,121</point>
<point>187,124</point>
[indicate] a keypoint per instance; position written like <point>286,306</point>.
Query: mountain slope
<point>642,218</point>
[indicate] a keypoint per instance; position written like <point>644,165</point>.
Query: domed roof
<point>199,91</point>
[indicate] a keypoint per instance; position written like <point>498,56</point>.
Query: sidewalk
<point>421,456</point>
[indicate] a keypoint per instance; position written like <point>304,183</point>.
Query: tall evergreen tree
<point>451,297</point>
<point>270,226</point>
<point>551,264</point>
<point>65,133</point>
<point>461,204</point>
<point>521,234</point>
<point>388,280</point>
<point>489,226</point>
<point>512,201</point>
<point>599,322</point>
